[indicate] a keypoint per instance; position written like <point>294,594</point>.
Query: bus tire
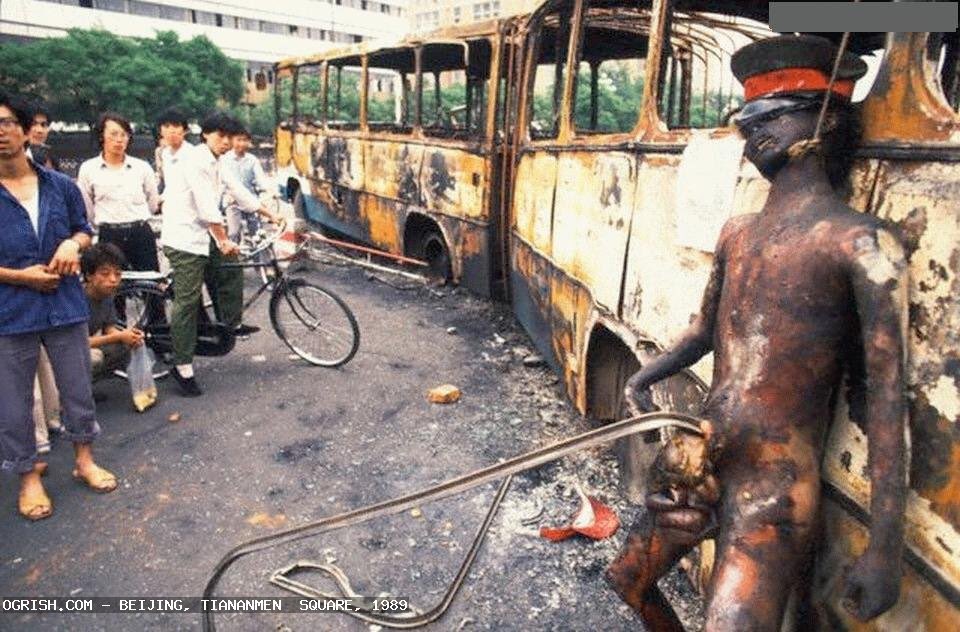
<point>433,250</point>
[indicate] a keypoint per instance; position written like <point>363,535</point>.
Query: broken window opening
<point>343,93</point>
<point>390,75</point>
<point>308,95</point>
<point>454,88</point>
<point>550,55</point>
<point>283,97</point>
<point>612,55</point>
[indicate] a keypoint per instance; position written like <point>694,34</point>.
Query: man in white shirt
<point>120,193</point>
<point>196,244</point>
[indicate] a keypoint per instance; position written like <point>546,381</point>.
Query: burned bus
<point>398,147</point>
<point>585,174</point>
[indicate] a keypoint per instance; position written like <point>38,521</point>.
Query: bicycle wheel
<point>314,323</point>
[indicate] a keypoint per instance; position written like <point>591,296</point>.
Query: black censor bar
<point>863,17</point>
<point>385,605</point>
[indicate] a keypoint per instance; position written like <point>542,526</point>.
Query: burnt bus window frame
<point>407,76</point>
<point>354,63</point>
<point>470,59</point>
<point>317,119</point>
<point>286,72</point>
<point>643,34</point>
<point>563,35</point>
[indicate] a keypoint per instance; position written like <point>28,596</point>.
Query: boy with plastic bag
<point>112,347</point>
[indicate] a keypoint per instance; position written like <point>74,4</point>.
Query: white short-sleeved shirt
<point>118,195</point>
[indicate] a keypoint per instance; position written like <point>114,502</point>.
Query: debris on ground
<point>533,360</point>
<point>270,521</point>
<point>452,331</point>
<point>444,394</point>
<point>173,417</point>
<point>594,520</point>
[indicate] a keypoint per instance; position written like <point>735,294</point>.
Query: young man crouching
<point>109,344</point>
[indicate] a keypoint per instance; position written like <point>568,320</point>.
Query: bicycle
<point>313,322</point>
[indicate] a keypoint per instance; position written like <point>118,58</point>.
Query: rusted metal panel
<point>533,199</point>
<point>920,606</point>
<point>453,182</point>
<point>302,151</point>
<point>392,170</point>
<point>595,191</point>
<point>338,160</point>
<point>382,220</point>
<point>284,148</point>
<point>921,200</point>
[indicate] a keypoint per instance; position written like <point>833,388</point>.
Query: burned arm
<point>878,276</point>
<point>693,344</point>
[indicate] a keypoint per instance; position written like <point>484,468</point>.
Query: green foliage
<point>87,72</point>
<point>618,99</point>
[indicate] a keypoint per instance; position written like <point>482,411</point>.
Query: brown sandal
<point>101,481</point>
<point>35,507</point>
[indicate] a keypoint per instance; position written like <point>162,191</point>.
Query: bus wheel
<point>434,251</point>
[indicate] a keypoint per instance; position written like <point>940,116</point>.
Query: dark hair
<point>243,131</point>
<point>22,109</point>
<point>100,255</point>
<point>172,116</point>
<point>840,141</point>
<point>219,121</point>
<point>116,118</point>
<point>40,108</point>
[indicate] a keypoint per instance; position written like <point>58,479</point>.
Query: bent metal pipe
<point>534,458</point>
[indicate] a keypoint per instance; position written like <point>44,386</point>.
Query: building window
<point>357,39</point>
<point>249,24</point>
<point>204,17</point>
<point>109,5</point>
<point>294,29</point>
<point>173,13</point>
<point>147,9</point>
<point>456,14</point>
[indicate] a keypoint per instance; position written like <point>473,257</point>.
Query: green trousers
<point>190,272</point>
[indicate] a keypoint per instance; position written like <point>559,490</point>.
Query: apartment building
<point>254,32</point>
<point>427,15</point>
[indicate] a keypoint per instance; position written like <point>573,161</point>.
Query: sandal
<point>35,507</point>
<point>40,467</point>
<point>100,480</point>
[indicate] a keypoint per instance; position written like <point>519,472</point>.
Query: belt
<point>121,225</point>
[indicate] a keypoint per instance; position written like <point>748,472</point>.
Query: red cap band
<point>793,80</point>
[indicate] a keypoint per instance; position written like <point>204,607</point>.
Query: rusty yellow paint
<point>284,148</point>
<point>453,182</point>
<point>533,199</point>
<point>391,165</point>
<point>920,607</point>
<point>906,105</point>
<point>382,222</point>
<point>595,192</point>
<point>302,144</point>
<point>570,306</point>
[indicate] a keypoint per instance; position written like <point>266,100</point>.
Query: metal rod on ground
<point>379,268</point>
<point>364,249</point>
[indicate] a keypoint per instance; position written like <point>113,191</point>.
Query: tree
<point>88,72</point>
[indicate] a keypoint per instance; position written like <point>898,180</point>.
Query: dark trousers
<point>69,351</point>
<point>139,245</point>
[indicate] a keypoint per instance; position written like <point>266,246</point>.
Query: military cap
<point>794,64</point>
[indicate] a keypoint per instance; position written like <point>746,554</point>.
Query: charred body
<point>796,293</point>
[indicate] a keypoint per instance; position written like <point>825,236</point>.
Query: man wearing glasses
<point>120,194</point>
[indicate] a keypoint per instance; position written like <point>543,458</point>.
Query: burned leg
<point>765,538</point>
<point>649,553</point>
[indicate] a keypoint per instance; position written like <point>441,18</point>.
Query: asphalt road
<point>274,443</point>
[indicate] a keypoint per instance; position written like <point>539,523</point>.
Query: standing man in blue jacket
<point>44,229</point>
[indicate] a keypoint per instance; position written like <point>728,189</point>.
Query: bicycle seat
<point>146,275</point>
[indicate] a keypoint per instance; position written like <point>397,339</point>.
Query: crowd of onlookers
<point>63,247</point>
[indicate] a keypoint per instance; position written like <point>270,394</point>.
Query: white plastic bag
<point>140,376</point>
